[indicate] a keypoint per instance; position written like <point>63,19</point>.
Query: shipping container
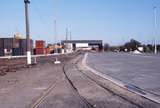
<point>8,43</point>
<point>58,50</point>
<point>40,51</point>
<point>1,52</point>
<point>1,43</point>
<point>7,52</point>
<point>17,51</point>
<point>16,43</point>
<point>40,44</point>
<point>23,45</point>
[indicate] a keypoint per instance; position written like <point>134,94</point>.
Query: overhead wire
<point>45,24</point>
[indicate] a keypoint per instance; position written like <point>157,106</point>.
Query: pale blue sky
<point>114,21</point>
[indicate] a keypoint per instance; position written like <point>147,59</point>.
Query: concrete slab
<point>140,72</point>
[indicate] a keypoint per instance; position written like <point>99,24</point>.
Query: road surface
<point>137,71</point>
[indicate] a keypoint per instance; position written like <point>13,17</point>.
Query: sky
<point>113,21</point>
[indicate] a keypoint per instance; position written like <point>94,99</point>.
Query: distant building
<point>82,44</point>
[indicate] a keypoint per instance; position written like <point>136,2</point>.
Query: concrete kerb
<point>147,95</point>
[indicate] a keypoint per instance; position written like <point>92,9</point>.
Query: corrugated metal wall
<point>8,43</point>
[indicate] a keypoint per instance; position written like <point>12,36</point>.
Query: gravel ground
<point>11,65</point>
<point>21,88</point>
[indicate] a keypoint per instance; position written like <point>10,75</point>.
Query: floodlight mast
<point>27,2</point>
<point>155,24</point>
<point>55,30</point>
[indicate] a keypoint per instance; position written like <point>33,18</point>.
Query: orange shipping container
<point>40,44</point>
<point>40,51</point>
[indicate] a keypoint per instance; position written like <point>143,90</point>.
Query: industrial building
<point>82,44</point>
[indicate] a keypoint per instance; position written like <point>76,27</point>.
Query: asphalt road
<point>140,71</point>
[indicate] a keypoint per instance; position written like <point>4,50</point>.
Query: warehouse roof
<point>83,41</point>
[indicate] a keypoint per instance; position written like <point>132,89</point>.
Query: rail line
<point>100,85</point>
<point>43,96</point>
<point>75,90</point>
<point>89,105</point>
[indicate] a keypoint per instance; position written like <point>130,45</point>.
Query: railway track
<point>89,105</point>
<point>87,102</point>
<point>47,92</point>
<point>97,83</point>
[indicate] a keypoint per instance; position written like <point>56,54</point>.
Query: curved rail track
<point>97,83</point>
<point>75,90</point>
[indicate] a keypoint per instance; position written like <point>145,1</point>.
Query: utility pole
<point>55,35</point>
<point>66,33</point>
<point>27,2</point>
<point>70,34</point>
<point>155,24</point>
<point>56,50</point>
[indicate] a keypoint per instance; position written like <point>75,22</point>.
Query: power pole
<point>66,33</point>
<point>70,33</point>
<point>155,24</point>
<point>55,35</point>
<point>27,2</point>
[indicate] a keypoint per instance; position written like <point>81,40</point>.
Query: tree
<point>132,45</point>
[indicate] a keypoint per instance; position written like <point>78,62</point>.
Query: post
<point>55,31</point>
<point>155,24</point>
<point>66,33</point>
<point>27,32</point>
<point>70,33</point>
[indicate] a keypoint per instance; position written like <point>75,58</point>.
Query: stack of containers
<point>23,46</point>
<point>7,46</point>
<point>16,50</point>
<point>13,46</point>
<point>1,47</point>
<point>40,47</point>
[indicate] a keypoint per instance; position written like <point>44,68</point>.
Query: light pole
<point>155,24</point>
<point>56,45</point>
<point>27,2</point>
